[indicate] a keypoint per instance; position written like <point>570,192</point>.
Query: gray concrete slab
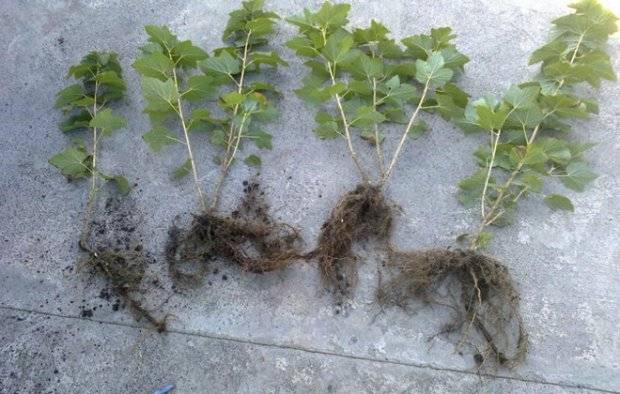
<point>63,355</point>
<point>565,265</point>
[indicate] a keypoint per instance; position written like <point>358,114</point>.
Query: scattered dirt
<point>116,253</point>
<point>360,214</point>
<point>486,310</point>
<point>249,238</point>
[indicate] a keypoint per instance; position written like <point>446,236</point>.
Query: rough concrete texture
<point>278,332</point>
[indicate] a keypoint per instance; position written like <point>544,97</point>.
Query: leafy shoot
<point>86,105</point>
<point>171,87</point>
<point>528,126</point>
<point>372,80</point>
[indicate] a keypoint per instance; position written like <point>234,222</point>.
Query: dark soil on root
<point>486,309</point>
<point>360,214</point>
<point>115,252</point>
<point>249,238</point>
<point>487,315</point>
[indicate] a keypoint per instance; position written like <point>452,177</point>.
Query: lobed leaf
<point>107,122</point>
<point>224,64</point>
<point>559,202</point>
<point>74,162</point>
<point>158,137</point>
<point>253,160</point>
<point>432,71</point>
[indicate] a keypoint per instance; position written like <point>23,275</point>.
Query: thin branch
<point>378,146</point>
<point>572,60</point>
<point>495,137</point>
<point>95,141</point>
<point>201,198</point>
<point>228,157</point>
<point>406,133</point>
<point>90,203</point>
<point>347,132</point>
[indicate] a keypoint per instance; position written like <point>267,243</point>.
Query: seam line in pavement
<point>221,337</point>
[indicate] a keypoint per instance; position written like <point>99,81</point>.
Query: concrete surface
<point>278,332</point>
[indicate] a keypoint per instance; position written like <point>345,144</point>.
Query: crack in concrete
<point>220,337</point>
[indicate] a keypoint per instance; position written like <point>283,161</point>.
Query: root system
<point>487,309</point>
<point>249,238</point>
<point>115,254</point>
<point>360,214</point>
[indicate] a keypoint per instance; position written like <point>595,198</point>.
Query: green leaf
<point>393,82</point>
<point>366,116</point>
<point>578,175</point>
<point>261,139</point>
<point>260,86</point>
<point>395,114</point>
<point>565,106</point>
<point>550,51</point>
<point>454,59</point>
<point>233,98</point>
<point>431,71</point>
<point>186,54</point>
<point>333,15</point>
<point>110,79</point>
<point>404,92</point>
<point>371,67</point>
<point>487,118</point>
<point>201,120</point>
<point>559,202</point>
<point>218,138</point>
<point>421,46</point>
<point>531,181</point>
<point>270,58</point>
<point>82,70</point>
<point>451,101</point>
<point>183,170</point>
<point>535,154</point>
<point>328,127</point>
<point>121,183</point>
<point>79,121</point>
<point>224,64</point>
<point>161,35</point>
<point>261,26</point>
<point>86,101</point>
<point>337,47</point>
<point>329,16</point>
<point>151,47</point>
<point>471,188</point>
<point>267,114</point>
<point>253,160</point>
<point>252,102</point>
<point>363,88</point>
<point>161,98</point>
<point>162,95</point>
<point>557,150</point>
<point>597,66</point>
<point>70,94</point>
<point>107,122</point>
<point>418,129</point>
<point>528,117</point>
<point>73,162</point>
<point>155,65</point>
<point>302,46</point>
<point>158,137</point>
<point>371,138</point>
<point>314,93</point>
<point>522,97</point>
<point>200,87</point>
<point>375,33</point>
